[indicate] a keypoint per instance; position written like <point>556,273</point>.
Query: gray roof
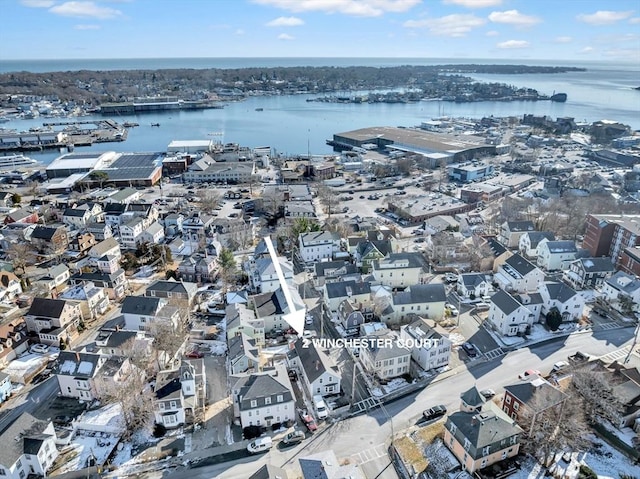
<point>536,236</point>
<point>142,305</point>
<point>518,265</point>
<point>505,302</point>
<point>75,212</point>
<point>319,237</point>
<point>596,265</point>
<point>382,353</point>
<point>561,246</point>
<point>242,345</point>
<point>22,435</point>
<point>173,287</point>
<point>325,465</point>
<point>46,307</point>
<point>72,363</point>
<point>397,260</point>
<point>334,268</point>
<point>471,280</point>
<point>472,397</point>
<point>559,291</point>
<point>525,390</point>
<point>517,226</point>
<point>269,472</point>
<point>43,232</point>
<point>314,362</point>
<point>624,282</point>
<point>257,387</point>
<point>496,247</point>
<point>343,289</point>
<point>421,293</point>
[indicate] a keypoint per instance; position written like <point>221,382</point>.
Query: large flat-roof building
<point>79,162</point>
<point>416,210</point>
<point>132,169</point>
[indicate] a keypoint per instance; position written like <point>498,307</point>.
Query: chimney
<point>317,365</point>
<point>77,356</point>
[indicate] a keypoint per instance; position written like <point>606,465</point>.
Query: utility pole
<point>353,385</point>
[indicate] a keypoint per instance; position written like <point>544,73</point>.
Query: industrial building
<point>79,162</point>
<point>470,171</point>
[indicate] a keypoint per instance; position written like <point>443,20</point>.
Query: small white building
<point>623,287</point>
<point>432,349</point>
<point>519,275</point>
<point>474,285</point>
<point>508,316</point>
<point>180,394</point>
<point>529,242</point>
<point>319,374</point>
<point>562,297</point>
<point>399,270</point>
<point>555,255</point>
<point>385,362</point>
<point>318,246</point>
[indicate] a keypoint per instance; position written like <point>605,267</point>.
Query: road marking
<point>370,454</point>
<point>494,353</point>
<point>606,326</point>
<point>615,355</point>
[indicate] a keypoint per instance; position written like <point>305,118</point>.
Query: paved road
<point>28,402</point>
<point>363,438</point>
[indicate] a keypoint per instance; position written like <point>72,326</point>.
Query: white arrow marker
<point>295,318</point>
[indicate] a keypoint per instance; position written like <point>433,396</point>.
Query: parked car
<point>470,349</point>
<point>293,438</point>
<point>451,277</point>
<point>262,444</point>
<point>529,373</point>
<point>195,354</point>
<point>62,420</point>
<point>488,393</point>
<point>559,366</point>
<point>320,407</point>
<point>452,309</point>
<point>308,421</point>
<point>39,348</point>
<point>434,413</point>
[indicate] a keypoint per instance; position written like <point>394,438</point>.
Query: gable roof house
<point>474,285</point>
<point>480,439</point>
<point>262,274</point>
<point>319,373</point>
<point>350,316</point>
<point>531,240</point>
<point>78,374</point>
<point>107,247</point>
<point>50,240</point>
<point>588,273</point>
<point>76,218</point>
<point>621,289</point>
<point>384,361</point>
<point>53,320</point>
<point>512,231</point>
<point>563,298</point>
<point>93,301</point>
<point>142,312</point>
<point>10,286</point>
<point>399,270</point>
<point>424,300</point>
<point>176,292</point>
<point>22,215</point>
<point>519,275</point>
<point>13,340</point>
<point>28,447</point>
<point>335,293</point>
<point>509,316</point>
<point>81,241</point>
<point>330,271</point>
<point>272,307</point>
<point>198,268</point>
<point>101,231</point>
<point>367,251</point>
<point>180,394</point>
<point>243,354</point>
<point>115,284</point>
<point>242,320</point>
<point>318,245</point>
<point>555,255</point>
<point>55,280</point>
<point>263,399</point>
<point>434,347</point>
<point>523,400</point>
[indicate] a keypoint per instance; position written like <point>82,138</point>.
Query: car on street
<point>488,393</point>
<point>529,373</point>
<point>578,357</point>
<point>62,420</point>
<point>320,407</point>
<point>470,349</point>
<point>451,277</point>
<point>559,366</point>
<point>294,437</point>
<point>452,309</point>
<point>262,444</point>
<point>434,413</point>
<point>195,354</point>
<point>308,421</point>
<point>39,348</point>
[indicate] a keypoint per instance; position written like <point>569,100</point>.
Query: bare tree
<point>22,255</point>
<point>168,339</point>
<point>208,200</point>
<point>328,199</point>
<point>380,304</point>
<point>596,389</point>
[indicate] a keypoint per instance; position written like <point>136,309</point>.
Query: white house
<point>107,247</point>
<point>28,447</point>
<point>433,348</point>
<point>529,242</point>
<point>10,286</point>
<point>76,218</point>
<point>53,319</point>
<point>262,274</point>
<point>512,231</point>
<point>474,285</point>
<point>264,399</point>
<point>242,320</point>
<point>5,387</point>
<point>318,246</point>
<point>623,287</point>
<point>319,373</point>
<point>243,355</point>
<point>141,312</point>
<point>519,275</point>
<point>508,316</point>
<point>272,307</point>
<point>357,291</point>
<point>78,373</point>
<point>180,394</point>
<point>130,233</point>
<point>554,255</point>
<point>561,296</point>
<point>153,234</point>
<point>384,361</point>
<point>399,270</point>
<point>424,300</point>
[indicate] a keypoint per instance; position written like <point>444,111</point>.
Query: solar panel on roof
<point>75,156</point>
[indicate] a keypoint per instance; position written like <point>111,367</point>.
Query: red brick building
<point>629,261</point>
<point>520,396</point>
<point>609,235</point>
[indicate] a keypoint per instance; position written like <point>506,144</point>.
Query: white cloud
<point>514,17</point>
<point>586,50</point>
<point>634,20</point>
<point>37,3</point>
<point>604,17</point>
<point>84,10</point>
<point>473,3</point>
<point>286,22</point>
<point>360,8</point>
<point>239,31</point>
<point>87,27</point>
<point>492,33</point>
<point>513,44</point>
<point>563,40</point>
<point>284,36</point>
<point>456,25</point>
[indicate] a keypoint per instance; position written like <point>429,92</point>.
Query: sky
<point>578,30</point>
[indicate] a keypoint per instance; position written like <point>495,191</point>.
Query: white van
<point>262,444</point>
<point>320,407</point>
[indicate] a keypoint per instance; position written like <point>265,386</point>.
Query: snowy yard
<point>393,385</point>
<point>85,445</point>
<point>538,333</point>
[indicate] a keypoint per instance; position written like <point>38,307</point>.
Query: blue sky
<point>580,30</point>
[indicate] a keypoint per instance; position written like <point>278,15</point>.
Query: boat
<point>155,124</point>
<point>559,97</point>
<point>128,124</point>
<point>259,109</point>
<point>11,162</point>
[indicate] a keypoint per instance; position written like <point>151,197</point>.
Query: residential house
<point>197,229</point>
<point>108,247</point>
<point>366,252</point>
<point>563,298</point>
<point>101,231</point>
<point>198,268</point>
<point>350,316</point>
<point>243,355</point>
<point>77,374</point>
<point>325,465</point>
<point>142,312</point>
<point>53,320</point>
<point>82,242</point>
<point>432,347</point>
<point>423,300</point>
<point>130,233</point>
<point>318,372</point>
<point>241,319</point>
<point>509,316</point>
<point>13,340</point>
<point>50,240</point>
<point>93,301</point>
<point>531,240</point>
<point>555,255</point>
<point>262,274</point>
<point>173,224</point>
<point>76,218</point>
<point>180,394</point>
<point>115,284</point>
<point>264,399</point>
<point>623,291</point>
<point>335,293</point>
<point>28,447</point>
<point>10,287</point>
<point>588,273</point>
<point>22,215</point>
<point>330,271</point>
<point>123,196</point>
<point>5,387</point>
<point>299,209</point>
<point>474,285</point>
<point>176,292</point>
<point>55,280</point>
<point>399,270</point>
<point>272,307</point>
<point>481,439</point>
<point>318,246</point>
<point>108,264</point>
<point>113,215</point>
<point>524,400</point>
<point>153,234</point>
<point>519,275</point>
<point>512,231</point>
<point>385,361</point>
<point>117,342</point>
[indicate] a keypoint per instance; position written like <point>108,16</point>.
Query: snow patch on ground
<point>393,385</point>
<point>608,462</point>
<point>456,338</point>
<point>83,446</point>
